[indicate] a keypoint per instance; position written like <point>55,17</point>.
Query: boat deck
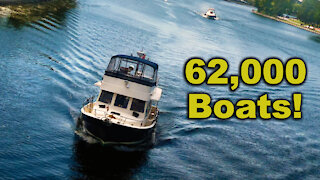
<point>105,114</point>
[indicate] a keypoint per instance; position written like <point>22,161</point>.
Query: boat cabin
<point>128,90</point>
<point>133,69</point>
<point>125,106</point>
<point>210,13</point>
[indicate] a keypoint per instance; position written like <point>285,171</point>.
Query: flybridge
<point>133,69</point>
<point>144,61</point>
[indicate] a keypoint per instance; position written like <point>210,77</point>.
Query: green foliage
<point>308,11</point>
<point>275,7</point>
<point>251,2</point>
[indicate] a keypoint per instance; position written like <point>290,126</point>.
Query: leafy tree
<point>309,12</point>
<point>275,7</point>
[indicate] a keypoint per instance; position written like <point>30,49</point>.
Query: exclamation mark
<point>297,100</point>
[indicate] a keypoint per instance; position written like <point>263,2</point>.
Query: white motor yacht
<point>125,111</point>
<point>210,14</point>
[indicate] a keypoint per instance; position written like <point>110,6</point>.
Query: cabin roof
<point>144,61</point>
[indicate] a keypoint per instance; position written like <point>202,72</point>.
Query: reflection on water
<point>315,38</point>
<point>97,162</point>
<point>20,15</point>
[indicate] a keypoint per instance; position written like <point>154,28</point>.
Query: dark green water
<point>51,55</point>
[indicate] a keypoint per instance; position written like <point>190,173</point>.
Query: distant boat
<point>210,14</point>
<point>125,112</point>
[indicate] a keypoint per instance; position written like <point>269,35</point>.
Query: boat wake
<point>202,15</point>
<point>315,38</point>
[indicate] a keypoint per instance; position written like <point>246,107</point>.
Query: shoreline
<point>19,2</point>
<point>238,2</point>
<point>286,21</point>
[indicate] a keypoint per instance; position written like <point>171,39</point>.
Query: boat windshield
<point>132,69</point>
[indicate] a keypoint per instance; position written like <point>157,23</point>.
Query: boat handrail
<point>135,78</point>
<point>106,115</point>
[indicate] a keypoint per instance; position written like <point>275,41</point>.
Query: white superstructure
<point>128,94</point>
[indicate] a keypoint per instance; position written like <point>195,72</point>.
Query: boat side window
<point>148,108</point>
<point>148,72</point>
<point>121,101</point>
<point>106,97</point>
<point>139,71</point>
<point>137,105</point>
<point>113,65</point>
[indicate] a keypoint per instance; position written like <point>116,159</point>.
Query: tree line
<point>308,11</point>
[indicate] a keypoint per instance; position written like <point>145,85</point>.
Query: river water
<point>51,55</point>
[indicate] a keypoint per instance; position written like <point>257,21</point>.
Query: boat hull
<point>212,17</point>
<point>209,17</point>
<point>111,133</point>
